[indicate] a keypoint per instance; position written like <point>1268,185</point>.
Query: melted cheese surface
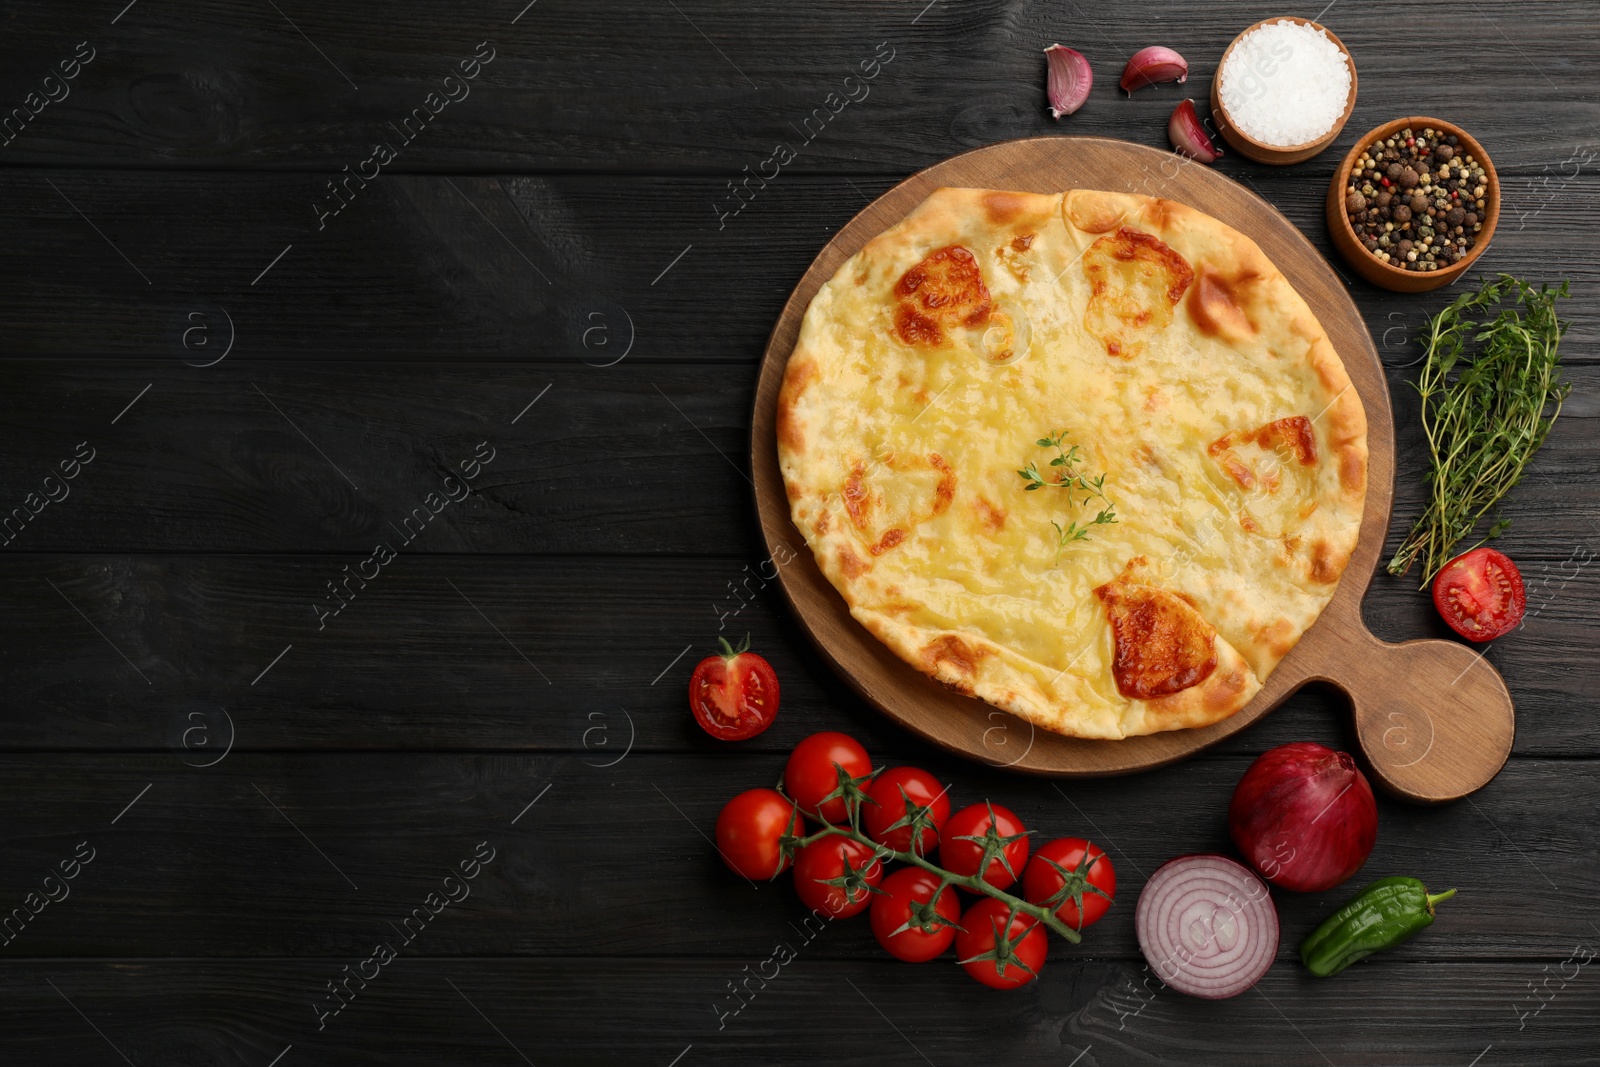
<point>901,449</point>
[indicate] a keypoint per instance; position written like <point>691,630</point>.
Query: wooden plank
<point>665,1012</point>
<point>304,854</point>
<point>642,86</point>
<point>481,268</point>
<point>309,457</point>
<point>434,638</point>
<point>628,459</point>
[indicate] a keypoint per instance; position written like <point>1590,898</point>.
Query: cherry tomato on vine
<point>1073,876</point>
<point>735,694</point>
<point>906,921</point>
<point>889,793</point>
<point>999,953</point>
<point>750,828</point>
<point>830,859</point>
<point>961,843</point>
<point>1480,594</point>
<point>810,774</point>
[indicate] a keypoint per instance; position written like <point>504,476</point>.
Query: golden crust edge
<point>1224,693</point>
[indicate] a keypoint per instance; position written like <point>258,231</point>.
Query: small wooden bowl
<point>1259,151</point>
<point>1369,266</point>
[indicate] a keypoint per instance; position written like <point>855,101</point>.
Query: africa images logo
<point>410,528</point>
<point>383,153</point>
<point>453,889</point>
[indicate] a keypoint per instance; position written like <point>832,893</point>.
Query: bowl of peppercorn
<point>1413,204</point>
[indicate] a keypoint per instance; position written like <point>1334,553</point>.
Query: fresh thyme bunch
<point>1485,413</point>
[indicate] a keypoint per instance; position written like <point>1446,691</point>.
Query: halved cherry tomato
<point>1480,594</point>
<point>830,860</point>
<point>892,790</point>
<point>813,771</point>
<point>734,695</point>
<point>749,831</point>
<point>962,841</point>
<point>905,920</point>
<point>1072,876</point>
<point>1000,949</point>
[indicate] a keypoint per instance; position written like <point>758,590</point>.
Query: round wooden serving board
<point>1434,719</point>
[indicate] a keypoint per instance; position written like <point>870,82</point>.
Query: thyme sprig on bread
<point>1066,476</point>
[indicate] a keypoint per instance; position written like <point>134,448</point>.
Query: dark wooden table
<point>529,324</point>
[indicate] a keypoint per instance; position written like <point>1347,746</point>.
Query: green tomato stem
<point>972,882</point>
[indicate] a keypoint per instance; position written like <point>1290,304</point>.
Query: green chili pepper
<point>1386,913</point>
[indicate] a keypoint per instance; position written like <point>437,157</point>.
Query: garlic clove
<point>1189,136</point>
<point>1151,65</point>
<point>1068,79</point>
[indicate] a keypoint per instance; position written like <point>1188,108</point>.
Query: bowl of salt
<point>1283,91</point>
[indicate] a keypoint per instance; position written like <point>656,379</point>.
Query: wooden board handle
<point>1434,718</point>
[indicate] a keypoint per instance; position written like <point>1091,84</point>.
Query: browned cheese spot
<point>1292,435</point>
<point>1216,307</point>
<point>1224,693</point>
<point>1002,207</point>
<point>887,541</point>
<point>1157,213</point>
<point>1295,433</point>
<point>1135,281</point>
<point>1013,256</point>
<point>945,290</point>
<point>1278,636</point>
<point>1090,212</point>
<point>1161,645</point>
<point>946,490</point>
<point>992,517</point>
<point>915,328</point>
<point>959,654</point>
<point>857,498</point>
<point>1324,568</point>
<point>864,506</point>
<point>1352,470</point>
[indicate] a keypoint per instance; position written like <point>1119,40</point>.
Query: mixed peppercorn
<point>1417,201</point>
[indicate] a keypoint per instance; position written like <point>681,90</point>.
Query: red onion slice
<point>1207,926</point>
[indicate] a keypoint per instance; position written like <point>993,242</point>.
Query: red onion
<point>1067,79</point>
<point>1303,816</point>
<point>1207,926</point>
<point>1151,65</point>
<point>1189,136</point>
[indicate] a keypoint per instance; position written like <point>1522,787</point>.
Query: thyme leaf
<point>1069,478</point>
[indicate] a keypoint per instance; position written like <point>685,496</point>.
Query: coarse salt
<point>1285,83</point>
